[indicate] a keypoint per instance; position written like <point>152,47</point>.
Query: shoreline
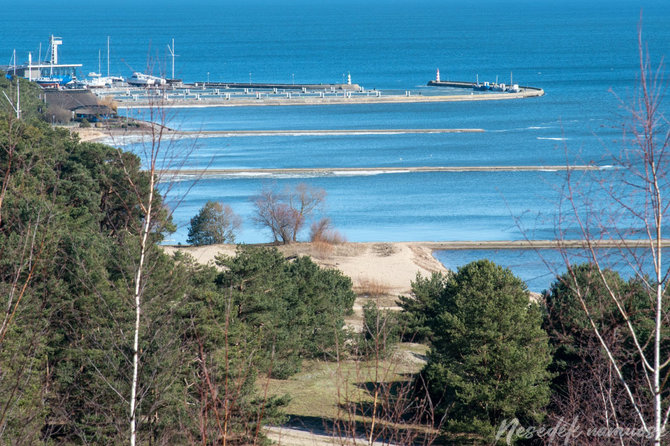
<point>392,264</point>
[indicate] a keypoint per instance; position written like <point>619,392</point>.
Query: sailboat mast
<point>107,56</point>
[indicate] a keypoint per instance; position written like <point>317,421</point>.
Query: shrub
<point>322,231</point>
<point>380,331</point>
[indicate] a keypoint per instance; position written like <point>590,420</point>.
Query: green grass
<point>318,389</point>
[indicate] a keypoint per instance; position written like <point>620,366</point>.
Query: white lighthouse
<point>437,76</point>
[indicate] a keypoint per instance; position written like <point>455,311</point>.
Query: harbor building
<point>48,73</point>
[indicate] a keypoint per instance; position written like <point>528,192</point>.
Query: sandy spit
<point>394,265</point>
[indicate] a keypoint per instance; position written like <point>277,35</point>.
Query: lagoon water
<point>576,51</point>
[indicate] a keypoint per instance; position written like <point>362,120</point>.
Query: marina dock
<point>272,86</point>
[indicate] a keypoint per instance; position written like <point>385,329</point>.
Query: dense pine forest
<point>70,228</point>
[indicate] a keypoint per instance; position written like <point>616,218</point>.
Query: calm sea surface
<point>576,51</point>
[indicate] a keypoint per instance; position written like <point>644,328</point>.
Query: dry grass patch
<point>322,249</point>
<point>324,238</point>
<point>372,287</point>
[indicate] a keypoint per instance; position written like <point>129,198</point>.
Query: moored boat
<point>53,81</point>
<point>145,80</point>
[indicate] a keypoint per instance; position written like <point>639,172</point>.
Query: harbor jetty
<point>476,86</point>
<point>228,94</point>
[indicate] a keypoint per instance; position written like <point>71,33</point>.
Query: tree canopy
<point>489,355</point>
<point>214,223</point>
<point>295,308</point>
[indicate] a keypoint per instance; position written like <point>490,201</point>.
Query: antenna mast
<point>171,50</point>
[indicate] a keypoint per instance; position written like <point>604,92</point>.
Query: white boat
<point>145,80</point>
<point>116,80</point>
<point>96,80</point>
<point>499,87</point>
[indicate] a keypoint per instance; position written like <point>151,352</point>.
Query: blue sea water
<point>576,51</point>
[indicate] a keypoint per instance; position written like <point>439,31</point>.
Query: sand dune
<point>394,265</point>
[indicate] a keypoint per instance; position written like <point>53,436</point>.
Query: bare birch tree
<point>163,157</point>
<point>626,211</point>
<point>159,156</point>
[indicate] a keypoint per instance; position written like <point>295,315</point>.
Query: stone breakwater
<point>265,98</point>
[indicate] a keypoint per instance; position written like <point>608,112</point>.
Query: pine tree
<point>215,223</point>
<point>489,355</point>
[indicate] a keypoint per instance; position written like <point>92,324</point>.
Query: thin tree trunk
<point>138,306</point>
<point>658,408</point>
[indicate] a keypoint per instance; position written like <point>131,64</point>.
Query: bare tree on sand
<point>284,214</point>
